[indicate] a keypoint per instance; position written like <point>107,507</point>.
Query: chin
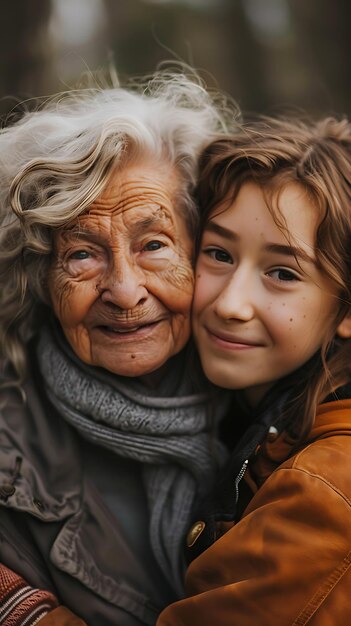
<point>134,363</point>
<point>221,379</point>
<point>131,368</point>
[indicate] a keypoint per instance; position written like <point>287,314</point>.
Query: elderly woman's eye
<point>151,246</point>
<point>80,255</point>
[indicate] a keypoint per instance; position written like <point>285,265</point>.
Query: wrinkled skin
<point>121,281</point>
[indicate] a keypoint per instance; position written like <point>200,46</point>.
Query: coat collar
<point>332,418</point>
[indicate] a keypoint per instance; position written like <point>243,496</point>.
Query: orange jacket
<point>287,562</point>
<point>61,616</point>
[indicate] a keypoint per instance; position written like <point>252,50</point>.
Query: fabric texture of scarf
<point>170,435</point>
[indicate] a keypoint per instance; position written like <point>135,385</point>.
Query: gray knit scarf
<point>171,436</point>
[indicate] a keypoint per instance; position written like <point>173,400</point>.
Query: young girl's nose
<point>237,299</point>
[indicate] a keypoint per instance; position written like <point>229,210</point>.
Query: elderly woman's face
<point>121,281</point>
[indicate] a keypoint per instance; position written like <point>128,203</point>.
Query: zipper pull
<point>238,479</point>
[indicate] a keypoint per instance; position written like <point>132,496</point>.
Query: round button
<point>7,490</point>
<point>194,533</point>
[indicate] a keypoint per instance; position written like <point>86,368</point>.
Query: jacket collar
<point>332,418</point>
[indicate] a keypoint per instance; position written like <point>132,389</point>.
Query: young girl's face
<point>262,307</point>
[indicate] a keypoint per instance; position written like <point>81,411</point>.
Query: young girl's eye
<point>218,255</point>
<point>283,275</point>
<point>152,246</point>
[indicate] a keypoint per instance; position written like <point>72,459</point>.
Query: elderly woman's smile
<point>121,280</point>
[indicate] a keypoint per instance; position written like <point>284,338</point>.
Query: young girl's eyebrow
<point>294,251</point>
<point>275,248</point>
<point>220,230</point>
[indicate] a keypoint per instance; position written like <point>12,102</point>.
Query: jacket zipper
<point>239,478</point>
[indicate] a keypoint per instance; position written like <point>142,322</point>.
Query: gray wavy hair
<point>57,160</point>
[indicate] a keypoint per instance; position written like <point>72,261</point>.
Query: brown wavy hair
<point>316,155</point>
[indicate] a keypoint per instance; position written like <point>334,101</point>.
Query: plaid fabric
<point>20,604</point>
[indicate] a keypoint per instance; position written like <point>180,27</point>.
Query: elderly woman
<point>105,436</point>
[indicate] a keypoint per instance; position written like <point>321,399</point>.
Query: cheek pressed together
<point>121,281</point>
<point>262,305</point>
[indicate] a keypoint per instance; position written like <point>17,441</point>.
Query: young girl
<point>272,322</point>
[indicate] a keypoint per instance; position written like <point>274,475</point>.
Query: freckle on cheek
<point>132,356</point>
<point>291,319</point>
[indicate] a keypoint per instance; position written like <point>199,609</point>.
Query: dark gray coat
<point>55,529</point>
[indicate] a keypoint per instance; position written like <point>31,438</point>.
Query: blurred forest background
<point>267,54</point>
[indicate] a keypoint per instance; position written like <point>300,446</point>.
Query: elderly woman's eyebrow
<point>136,229</point>
<point>160,219</point>
<point>77,232</point>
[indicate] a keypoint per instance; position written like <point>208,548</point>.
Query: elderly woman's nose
<point>123,287</point>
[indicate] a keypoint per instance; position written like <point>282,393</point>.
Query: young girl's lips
<point>231,342</point>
